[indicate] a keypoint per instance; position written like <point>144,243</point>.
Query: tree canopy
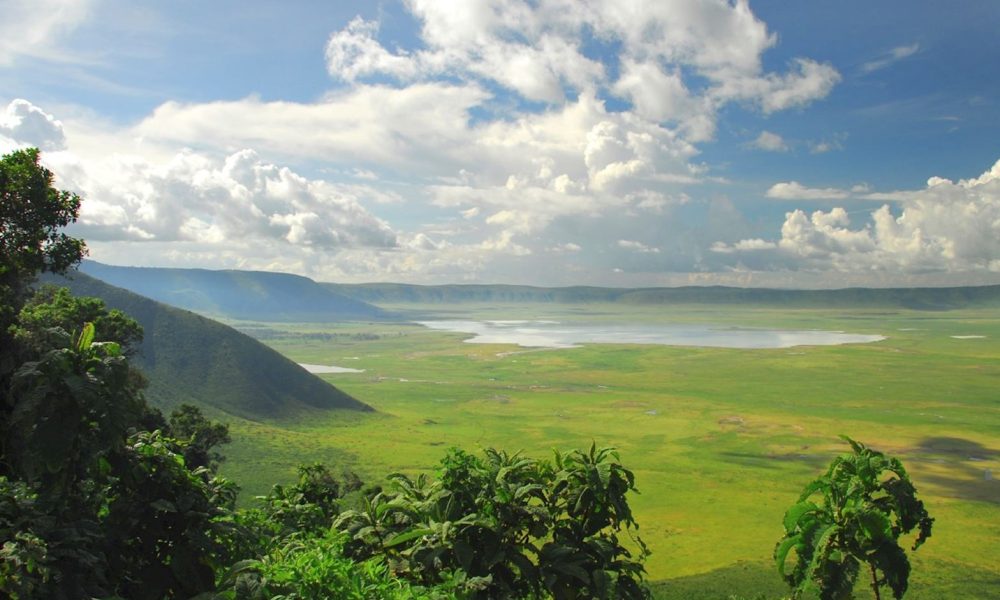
<point>32,215</point>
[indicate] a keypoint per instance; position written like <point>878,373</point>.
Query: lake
<point>325,369</point>
<point>554,334</point>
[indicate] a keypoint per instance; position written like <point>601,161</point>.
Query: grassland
<point>721,440</point>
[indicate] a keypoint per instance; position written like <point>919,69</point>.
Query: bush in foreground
<point>853,516</point>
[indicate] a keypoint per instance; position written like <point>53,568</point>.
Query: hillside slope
<point>189,358</point>
<point>912,298</point>
<point>251,295</point>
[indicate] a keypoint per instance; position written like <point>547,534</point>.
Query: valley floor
<point>721,440</point>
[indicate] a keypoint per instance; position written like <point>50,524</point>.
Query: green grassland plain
<point>721,440</point>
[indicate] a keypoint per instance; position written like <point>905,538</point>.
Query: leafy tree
<point>32,212</point>
<point>311,505</point>
<point>55,307</point>
<point>853,516</point>
<point>200,437</point>
<point>507,526</point>
<point>112,510</point>
<point>91,505</point>
<point>165,525</point>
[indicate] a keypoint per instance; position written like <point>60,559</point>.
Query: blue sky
<point>551,142</point>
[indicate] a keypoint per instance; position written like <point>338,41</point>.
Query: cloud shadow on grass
<point>958,466</point>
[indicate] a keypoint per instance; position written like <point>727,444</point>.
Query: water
<point>329,369</point>
<point>553,334</point>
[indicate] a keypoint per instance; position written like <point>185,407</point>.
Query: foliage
<point>32,212</point>
<point>199,436</point>
<point>71,407</point>
<point>164,521</point>
<point>315,568</point>
<point>55,307</point>
<point>310,505</point>
<point>850,517</point>
<point>514,526</point>
<point>96,507</point>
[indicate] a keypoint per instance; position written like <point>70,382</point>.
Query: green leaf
<point>86,338</point>
<point>783,548</point>
<point>795,513</point>
<point>406,536</point>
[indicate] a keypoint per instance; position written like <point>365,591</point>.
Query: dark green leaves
<point>510,526</point>
<point>852,515</point>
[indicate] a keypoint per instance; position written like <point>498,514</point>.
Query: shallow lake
<point>553,334</point>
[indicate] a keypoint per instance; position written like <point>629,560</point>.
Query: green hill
<point>251,295</point>
<point>189,358</point>
<point>946,298</point>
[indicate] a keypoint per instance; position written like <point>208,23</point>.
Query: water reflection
<point>552,334</point>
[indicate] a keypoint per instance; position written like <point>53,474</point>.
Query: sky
<point>543,142</point>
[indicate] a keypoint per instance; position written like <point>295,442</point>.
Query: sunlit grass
<point>721,440</point>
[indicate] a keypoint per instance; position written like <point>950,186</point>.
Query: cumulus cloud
<point>537,49</point>
<point>947,226</point>
<point>24,124</point>
<point>498,116</point>
<point>236,202</point>
<point>772,142</point>
<point>354,52</point>
<point>427,115</point>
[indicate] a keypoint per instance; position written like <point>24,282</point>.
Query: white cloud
<point>354,52</point>
<point>639,247</point>
<point>417,127</point>
<point>568,247</point>
<point>892,56</point>
<point>660,96</point>
<point>229,204</point>
<point>772,142</point>
<point>24,124</point>
<point>487,137</point>
<point>946,227</point>
<point>793,190</point>
<point>806,82</point>
<point>536,49</point>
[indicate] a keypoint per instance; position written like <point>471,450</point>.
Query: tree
<point>507,526</point>
<point>55,307</point>
<point>199,436</point>
<point>32,214</point>
<point>91,505</point>
<point>110,510</point>
<point>852,516</point>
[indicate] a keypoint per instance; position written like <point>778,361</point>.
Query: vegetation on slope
<point>247,295</point>
<point>192,359</point>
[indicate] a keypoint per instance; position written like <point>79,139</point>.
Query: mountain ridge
<point>925,298</point>
<point>242,295</point>
<point>190,358</point>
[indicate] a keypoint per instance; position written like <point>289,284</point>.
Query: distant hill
<point>189,358</point>
<point>912,298</point>
<point>249,295</point>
